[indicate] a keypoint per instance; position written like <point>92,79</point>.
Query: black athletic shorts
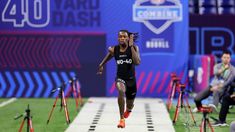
<point>131,88</point>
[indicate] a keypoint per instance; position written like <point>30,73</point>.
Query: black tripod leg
<point>28,121</point>
<point>61,99</point>
<point>204,128</point>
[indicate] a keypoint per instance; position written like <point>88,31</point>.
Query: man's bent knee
<point>121,87</point>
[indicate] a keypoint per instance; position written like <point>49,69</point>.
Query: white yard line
<point>4,103</point>
<point>102,115</point>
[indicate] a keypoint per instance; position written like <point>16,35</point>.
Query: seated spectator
<point>223,75</point>
<point>228,99</point>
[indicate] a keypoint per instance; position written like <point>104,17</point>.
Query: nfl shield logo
<point>164,15</point>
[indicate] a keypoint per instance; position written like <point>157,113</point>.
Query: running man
<point>126,54</point>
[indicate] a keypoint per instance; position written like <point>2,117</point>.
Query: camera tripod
<point>75,91</point>
<point>181,104</point>
<point>174,83</point>
<point>63,103</point>
<point>27,117</point>
<point>205,120</point>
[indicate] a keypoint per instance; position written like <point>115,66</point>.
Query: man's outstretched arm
<point>108,57</point>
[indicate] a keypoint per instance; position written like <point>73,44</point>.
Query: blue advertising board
<point>163,39</point>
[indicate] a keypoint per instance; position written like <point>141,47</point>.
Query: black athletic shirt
<point>125,65</point>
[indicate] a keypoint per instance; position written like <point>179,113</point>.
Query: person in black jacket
<point>223,76</point>
<point>227,100</point>
<point>126,54</point>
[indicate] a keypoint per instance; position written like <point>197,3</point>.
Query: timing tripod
<point>63,103</point>
<point>205,120</point>
<point>180,104</point>
<point>29,120</point>
<point>75,87</point>
<point>174,81</point>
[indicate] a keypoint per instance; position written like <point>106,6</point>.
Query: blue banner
<point>161,24</point>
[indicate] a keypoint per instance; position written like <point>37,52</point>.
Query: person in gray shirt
<point>224,73</point>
